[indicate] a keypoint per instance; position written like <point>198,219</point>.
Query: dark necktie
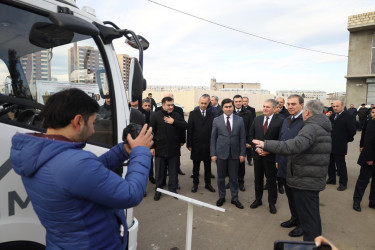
<point>203,113</point>
<point>336,116</point>
<point>265,125</point>
<point>228,126</point>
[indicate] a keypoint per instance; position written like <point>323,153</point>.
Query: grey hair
<point>216,98</point>
<point>315,107</point>
<point>300,98</point>
<point>272,101</point>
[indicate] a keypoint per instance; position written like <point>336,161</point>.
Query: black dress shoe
<point>341,187</point>
<point>256,204</point>
<point>242,188</point>
<point>371,205</point>
<point>212,176</point>
<point>191,176</point>
<point>227,186</point>
<point>220,202</point>
<point>181,173</point>
<point>273,209</point>
<point>281,189</point>
<point>357,206</point>
<point>194,189</point>
<point>178,186</point>
<point>265,186</point>
<point>297,232</point>
<point>157,196</point>
<point>289,223</point>
<point>250,164</point>
<point>209,188</point>
<point>237,203</point>
<point>331,182</point>
<point>152,180</point>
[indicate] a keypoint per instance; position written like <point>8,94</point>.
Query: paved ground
<point>163,222</point>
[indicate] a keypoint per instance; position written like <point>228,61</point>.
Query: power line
<point>245,32</point>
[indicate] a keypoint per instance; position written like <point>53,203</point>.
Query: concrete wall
<point>189,99</point>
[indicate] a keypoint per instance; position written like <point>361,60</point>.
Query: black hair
<point>166,99</point>
<point>133,129</point>
<point>225,101</point>
<point>63,106</point>
<point>237,96</point>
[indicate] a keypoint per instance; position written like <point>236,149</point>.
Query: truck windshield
<point>37,59</point>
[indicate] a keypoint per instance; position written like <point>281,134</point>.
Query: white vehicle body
<point>19,225</point>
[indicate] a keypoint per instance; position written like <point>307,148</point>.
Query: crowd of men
<point>296,149</point>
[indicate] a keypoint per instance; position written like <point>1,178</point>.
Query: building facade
<point>124,62</point>
<point>232,85</point>
<point>360,78</point>
<point>309,94</point>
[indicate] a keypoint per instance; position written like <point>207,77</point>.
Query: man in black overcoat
<point>343,131</point>
<point>198,142</point>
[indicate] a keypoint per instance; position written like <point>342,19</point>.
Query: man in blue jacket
<point>290,128</point>
<point>76,196</point>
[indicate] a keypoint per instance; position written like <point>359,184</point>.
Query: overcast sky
<point>188,51</point>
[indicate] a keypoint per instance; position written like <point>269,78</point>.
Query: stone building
<point>360,84</point>
<point>232,85</point>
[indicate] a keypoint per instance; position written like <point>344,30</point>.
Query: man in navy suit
<point>228,149</point>
<point>265,127</point>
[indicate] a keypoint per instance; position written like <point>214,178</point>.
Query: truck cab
<point>47,46</point>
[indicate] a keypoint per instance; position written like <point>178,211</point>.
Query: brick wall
<point>361,19</point>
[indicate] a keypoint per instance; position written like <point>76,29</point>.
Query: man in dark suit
<point>282,110</point>
<point>198,142</point>
<point>228,149</point>
<point>247,118</point>
<point>366,161</point>
<point>136,116</point>
<point>146,110</point>
<point>216,108</point>
<point>265,127</point>
<point>249,151</point>
<point>343,131</point>
<point>167,126</point>
<point>152,101</point>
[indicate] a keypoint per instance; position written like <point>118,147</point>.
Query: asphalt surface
<point>162,224</point>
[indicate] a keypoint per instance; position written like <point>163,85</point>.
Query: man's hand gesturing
<point>143,139</point>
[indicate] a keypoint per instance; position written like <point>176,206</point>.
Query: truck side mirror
<point>136,81</point>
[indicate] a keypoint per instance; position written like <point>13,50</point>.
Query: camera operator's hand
<point>143,139</point>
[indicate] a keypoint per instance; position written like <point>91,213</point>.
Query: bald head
<point>168,95</point>
<point>338,106</point>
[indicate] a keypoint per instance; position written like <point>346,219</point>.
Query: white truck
<point>45,46</point>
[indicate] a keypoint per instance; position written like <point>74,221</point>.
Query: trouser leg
<point>160,163</point>
<point>151,173</point>
<point>363,179</point>
<point>221,173</point>
<point>196,167</point>
<point>207,171</point>
<point>249,154</point>
<point>241,173</point>
<point>332,169</point>
<point>341,169</point>
<point>172,171</point>
<point>271,171</point>
<point>307,205</point>
<point>258,179</point>
<point>233,177</point>
<point>291,202</point>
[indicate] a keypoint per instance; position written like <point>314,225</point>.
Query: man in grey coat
<point>228,149</point>
<point>307,166</point>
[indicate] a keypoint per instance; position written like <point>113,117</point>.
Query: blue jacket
<point>76,196</point>
<point>287,131</point>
